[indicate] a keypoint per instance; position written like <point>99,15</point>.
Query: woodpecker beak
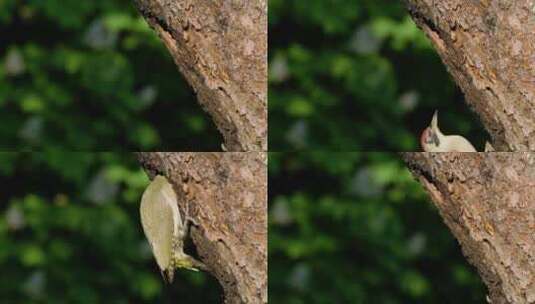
<point>434,121</point>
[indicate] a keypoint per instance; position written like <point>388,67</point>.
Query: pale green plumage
<point>164,228</point>
<point>435,141</point>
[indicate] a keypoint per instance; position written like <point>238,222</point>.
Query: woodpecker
<point>432,140</point>
<point>165,229</point>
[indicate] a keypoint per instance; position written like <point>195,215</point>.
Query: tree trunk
<point>488,47</point>
<point>221,49</point>
<point>488,202</point>
<point>227,197</point>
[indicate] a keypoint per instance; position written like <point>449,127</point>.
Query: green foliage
<point>356,228</point>
<point>350,75</point>
<point>92,75</point>
<point>70,233</point>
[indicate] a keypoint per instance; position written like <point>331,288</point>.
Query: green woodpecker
<point>432,140</point>
<point>164,228</point>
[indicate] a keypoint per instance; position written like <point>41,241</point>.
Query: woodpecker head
<point>432,140</point>
<point>432,137</point>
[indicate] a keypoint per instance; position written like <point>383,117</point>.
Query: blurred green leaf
<point>93,76</point>
<point>32,255</point>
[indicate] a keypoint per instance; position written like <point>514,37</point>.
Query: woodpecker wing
<point>456,143</point>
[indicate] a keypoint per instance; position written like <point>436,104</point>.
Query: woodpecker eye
<point>433,139</point>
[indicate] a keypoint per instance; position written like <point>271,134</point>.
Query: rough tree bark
<point>488,202</point>
<point>488,47</point>
<point>227,197</point>
<point>221,49</point>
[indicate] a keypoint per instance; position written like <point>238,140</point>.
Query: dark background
<point>92,75</point>
<point>70,233</point>
<point>356,75</point>
<point>357,228</point>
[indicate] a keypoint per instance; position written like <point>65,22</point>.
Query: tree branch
<point>221,49</point>
<point>227,197</point>
<point>488,48</point>
<point>488,202</point>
